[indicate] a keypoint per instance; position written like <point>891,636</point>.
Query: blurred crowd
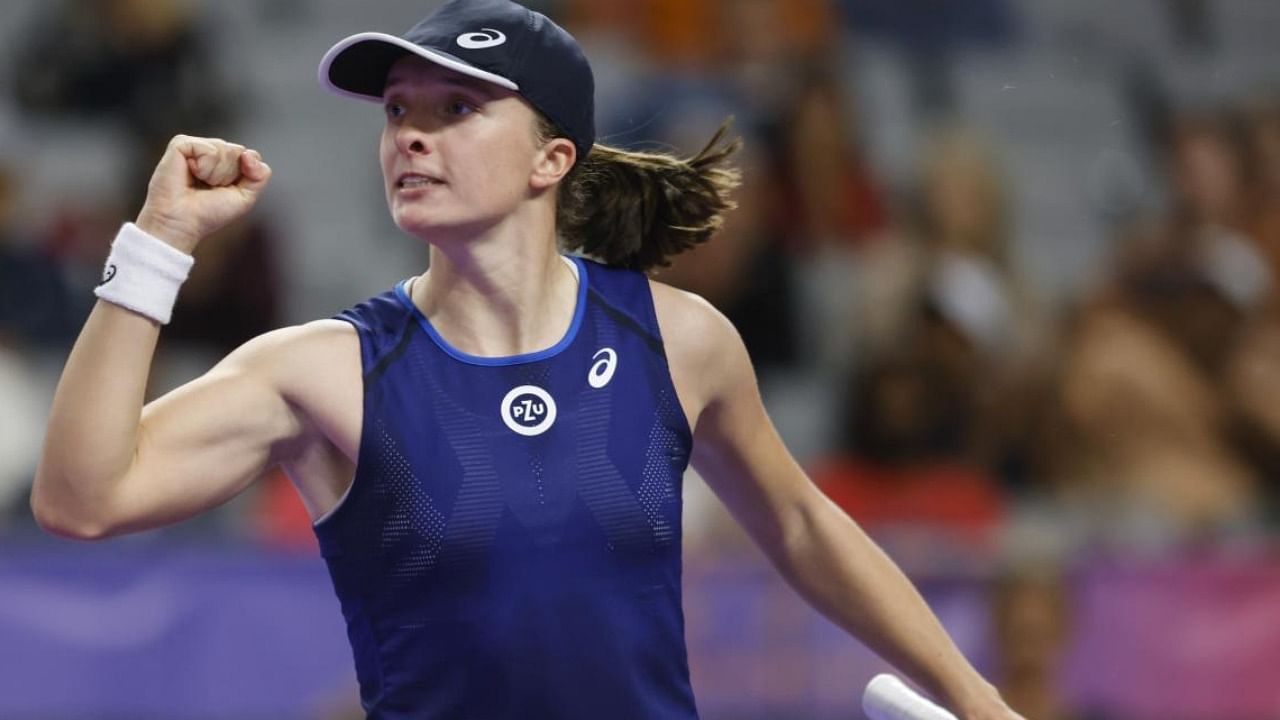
<point>932,386</point>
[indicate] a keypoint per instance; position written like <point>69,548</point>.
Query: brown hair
<point>637,210</point>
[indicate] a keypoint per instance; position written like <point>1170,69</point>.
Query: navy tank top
<point>510,545</point>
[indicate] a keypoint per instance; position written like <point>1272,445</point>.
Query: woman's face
<point>457,153</point>
<point>1208,175</point>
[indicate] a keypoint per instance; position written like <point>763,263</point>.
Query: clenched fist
<point>200,185</point>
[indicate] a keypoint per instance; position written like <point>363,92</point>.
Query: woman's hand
<point>200,185</point>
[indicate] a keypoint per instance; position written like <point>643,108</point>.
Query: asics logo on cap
<point>486,38</point>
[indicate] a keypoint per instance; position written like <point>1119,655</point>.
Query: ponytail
<point>637,210</point>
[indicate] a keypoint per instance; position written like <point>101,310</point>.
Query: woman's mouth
<point>411,181</point>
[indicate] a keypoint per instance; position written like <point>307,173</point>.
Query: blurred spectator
<point>1149,464</point>
<point>144,63</point>
<point>905,454</point>
<point>782,60</point>
<point>149,65</point>
<point>1249,383</point>
<point>35,306</point>
<point>1264,190</point>
<point>1031,618</point>
<point>955,260</point>
<point>123,58</point>
<point>1211,168</point>
<point>938,317</point>
<point>827,193</point>
<point>766,46</point>
<point>35,316</point>
<point>952,279</point>
<point>1168,441</point>
<point>1251,387</point>
<point>829,206</point>
<point>21,429</point>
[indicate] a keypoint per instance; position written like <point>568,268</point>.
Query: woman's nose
<point>412,141</point>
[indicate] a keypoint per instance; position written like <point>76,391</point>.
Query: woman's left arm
<point>821,552</point>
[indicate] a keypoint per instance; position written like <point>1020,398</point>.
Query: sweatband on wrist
<point>143,274</point>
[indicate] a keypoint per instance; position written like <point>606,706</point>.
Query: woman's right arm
<point>109,465</point>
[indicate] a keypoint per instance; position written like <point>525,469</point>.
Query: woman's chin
<point>420,226</point>
<point>417,229</point>
<point>434,228</point>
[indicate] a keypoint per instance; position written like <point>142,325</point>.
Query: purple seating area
<point>138,631</point>
<point>1195,638</point>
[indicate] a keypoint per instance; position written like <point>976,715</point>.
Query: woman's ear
<point>552,163</point>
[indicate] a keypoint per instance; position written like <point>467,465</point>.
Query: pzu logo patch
<point>528,410</point>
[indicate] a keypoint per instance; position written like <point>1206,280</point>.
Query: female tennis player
<point>492,450</point>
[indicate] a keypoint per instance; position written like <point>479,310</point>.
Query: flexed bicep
<point>190,450</point>
<point>205,442</point>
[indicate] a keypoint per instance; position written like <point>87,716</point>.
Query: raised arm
<point>819,550</point>
<point>109,466</point>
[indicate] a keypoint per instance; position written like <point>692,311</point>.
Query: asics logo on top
<point>486,38</point>
<point>602,371</point>
<point>528,410</point>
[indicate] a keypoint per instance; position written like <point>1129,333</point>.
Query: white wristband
<point>143,273</point>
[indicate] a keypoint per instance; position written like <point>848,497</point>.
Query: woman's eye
<point>394,110</point>
<point>459,108</point>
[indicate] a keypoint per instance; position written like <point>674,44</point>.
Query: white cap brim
<point>438,58</point>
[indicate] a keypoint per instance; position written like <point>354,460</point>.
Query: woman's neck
<point>500,294</point>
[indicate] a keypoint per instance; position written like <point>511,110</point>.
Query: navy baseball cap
<point>497,41</point>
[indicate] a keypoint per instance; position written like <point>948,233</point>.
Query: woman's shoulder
<point>302,356</point>
<point>685,316</point>
<point>680,306</point>
<point>694,332</point>
<point>297,341</point>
